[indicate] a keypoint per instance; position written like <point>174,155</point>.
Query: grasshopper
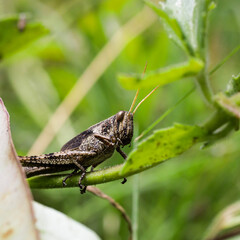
<point>88,149</point>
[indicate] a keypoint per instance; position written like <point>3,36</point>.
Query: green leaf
<point>162,145</point>
<point>161,76</point>
<point>13,37</point>
<point>185,21</point>
<point>171,25</point>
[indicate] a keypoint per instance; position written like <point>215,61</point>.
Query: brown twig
<point>100,194</point>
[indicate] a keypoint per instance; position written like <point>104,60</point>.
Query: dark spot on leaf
<point>130,160</point>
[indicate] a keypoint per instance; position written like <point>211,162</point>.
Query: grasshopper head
<point>124,126</point>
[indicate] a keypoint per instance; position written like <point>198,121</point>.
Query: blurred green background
<point>177,199</point>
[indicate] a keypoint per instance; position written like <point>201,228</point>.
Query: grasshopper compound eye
<point>120,116</point>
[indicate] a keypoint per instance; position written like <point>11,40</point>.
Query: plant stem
<point>135,206</point>
<point>218,119</point>
<point>204,86</point>
<point>91,178</point>
<point>235,50</point>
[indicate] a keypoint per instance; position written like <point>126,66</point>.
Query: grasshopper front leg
<point>112,141</point>
<point>124,155</point>
<point>83,170</point>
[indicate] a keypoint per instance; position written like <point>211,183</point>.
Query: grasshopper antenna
<point>145,98</point>
<point>136,95</point>
<point>134,100</point>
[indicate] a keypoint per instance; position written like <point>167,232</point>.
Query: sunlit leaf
<point>161,76</point>
<point>172,26</point>
<point>14,36</point>
<point>185,21</point>
<point>162,145</point>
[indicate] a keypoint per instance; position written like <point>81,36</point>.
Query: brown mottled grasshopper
<point>88,149</point>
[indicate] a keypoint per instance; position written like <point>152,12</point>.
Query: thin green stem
<point>202,78</point>
<point>135,198</point>
<point>91,178</point>
<point>165,114</point>
<point>96,177</point>
<point>234,51</point>
<point>135,206</point>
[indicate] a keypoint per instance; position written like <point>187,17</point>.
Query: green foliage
<point>185,22</point>
<point>162,145</point>
<point>162,76</point>
<point>14,36</point>
<point>178,199</point>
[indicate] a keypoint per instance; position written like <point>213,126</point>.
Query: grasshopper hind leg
<point>82,187</point>
<point>83,170</point>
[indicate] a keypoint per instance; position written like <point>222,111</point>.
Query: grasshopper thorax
<point>124,127</point>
